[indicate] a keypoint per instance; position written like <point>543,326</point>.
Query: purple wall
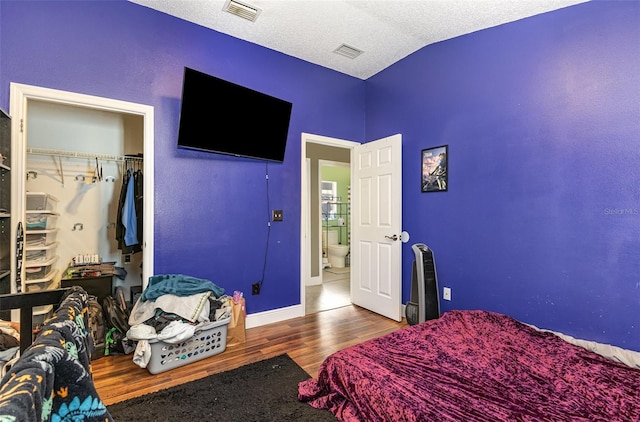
<point>210,211</point>
<point>542,118</point>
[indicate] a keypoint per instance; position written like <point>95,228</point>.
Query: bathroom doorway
<point>334,289</point>
<point>375,282</point>
<point>326,220</point>
<point>335,215</point>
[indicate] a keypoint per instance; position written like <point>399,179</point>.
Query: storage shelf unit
<point>5,209</point>
<point>40,249</point>
<point>335,215</point>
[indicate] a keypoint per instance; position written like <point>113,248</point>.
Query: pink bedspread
<point>473,366</point>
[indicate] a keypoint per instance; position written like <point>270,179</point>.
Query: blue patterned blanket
<point>52,380</point>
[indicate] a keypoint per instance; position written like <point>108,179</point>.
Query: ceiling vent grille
<point>348,51</point>
<point>243,10</point>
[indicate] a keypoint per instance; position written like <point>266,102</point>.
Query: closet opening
<point>82,163</point>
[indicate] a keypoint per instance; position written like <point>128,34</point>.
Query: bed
<point>473,366</point>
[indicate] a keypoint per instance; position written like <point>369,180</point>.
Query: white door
<point>376,248</point>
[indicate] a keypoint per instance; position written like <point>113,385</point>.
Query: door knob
<point>394,237</point>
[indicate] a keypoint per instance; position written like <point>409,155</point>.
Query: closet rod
<point>88,155</point>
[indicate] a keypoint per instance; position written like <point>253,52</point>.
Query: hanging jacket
<point>129,219</point>
<point>139,202</point>
<point>120,227</point>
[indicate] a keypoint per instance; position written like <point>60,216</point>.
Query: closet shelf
<point>85,155</point>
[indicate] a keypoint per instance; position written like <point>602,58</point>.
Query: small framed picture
<point>435,170</point>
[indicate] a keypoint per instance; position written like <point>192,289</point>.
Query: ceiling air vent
<point>348,51</point>
<point>243,10</point>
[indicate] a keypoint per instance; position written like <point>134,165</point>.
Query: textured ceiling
<point>385,30</point>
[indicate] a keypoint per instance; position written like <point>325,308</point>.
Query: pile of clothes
<point>171,309</point>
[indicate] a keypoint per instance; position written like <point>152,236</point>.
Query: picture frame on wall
<point>435,169</point>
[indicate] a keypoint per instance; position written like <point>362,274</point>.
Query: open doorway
<point>335,217</point>
<point>326,222</point>
<point>124,125</point>
<point>376,221</point>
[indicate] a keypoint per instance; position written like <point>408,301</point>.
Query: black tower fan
<point>424,303</point>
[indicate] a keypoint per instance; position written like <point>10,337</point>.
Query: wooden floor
<point>333,292</point>
<point>308,340</point>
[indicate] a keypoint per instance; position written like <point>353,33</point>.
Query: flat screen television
<point>222,117</point>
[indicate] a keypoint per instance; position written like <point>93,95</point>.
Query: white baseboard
<point>281,314</point>
<point>314,281</point>
<point>274,315</point>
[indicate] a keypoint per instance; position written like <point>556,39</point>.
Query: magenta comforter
<point>473,366</point>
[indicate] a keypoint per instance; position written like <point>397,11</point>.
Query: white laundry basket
<point>203,344</point>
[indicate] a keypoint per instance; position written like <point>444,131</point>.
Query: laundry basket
<point>205,343</point>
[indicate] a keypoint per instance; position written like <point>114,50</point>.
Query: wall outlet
<point>255,288</point>
<point>276,215</point>
<point>446,293</point>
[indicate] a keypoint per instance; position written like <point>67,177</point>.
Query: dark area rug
<point>261,391</point>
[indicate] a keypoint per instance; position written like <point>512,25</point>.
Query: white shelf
<point>83,155</point>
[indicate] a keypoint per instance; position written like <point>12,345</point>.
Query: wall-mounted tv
<point>222,117</point>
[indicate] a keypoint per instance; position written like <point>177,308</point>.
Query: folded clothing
<point>178,285</point>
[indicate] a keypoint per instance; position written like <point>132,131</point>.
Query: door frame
<point>305,207</point>
<point>20,94</point>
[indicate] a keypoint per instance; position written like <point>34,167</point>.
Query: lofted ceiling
<point>384,31</point>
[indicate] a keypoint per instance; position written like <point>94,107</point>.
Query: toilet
<point>335,252</point>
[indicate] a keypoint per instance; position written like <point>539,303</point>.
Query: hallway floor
<point>332,293</point>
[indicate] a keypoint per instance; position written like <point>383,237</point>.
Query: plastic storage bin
<point>41,220</point>
<point>40,201</point>
<point>37,270</point>
<point>40,254</point>
<point>49,282</point>
<point>35,238</point>
<point>203,344</point>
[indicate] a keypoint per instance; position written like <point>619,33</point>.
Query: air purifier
<point>424,303</point>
